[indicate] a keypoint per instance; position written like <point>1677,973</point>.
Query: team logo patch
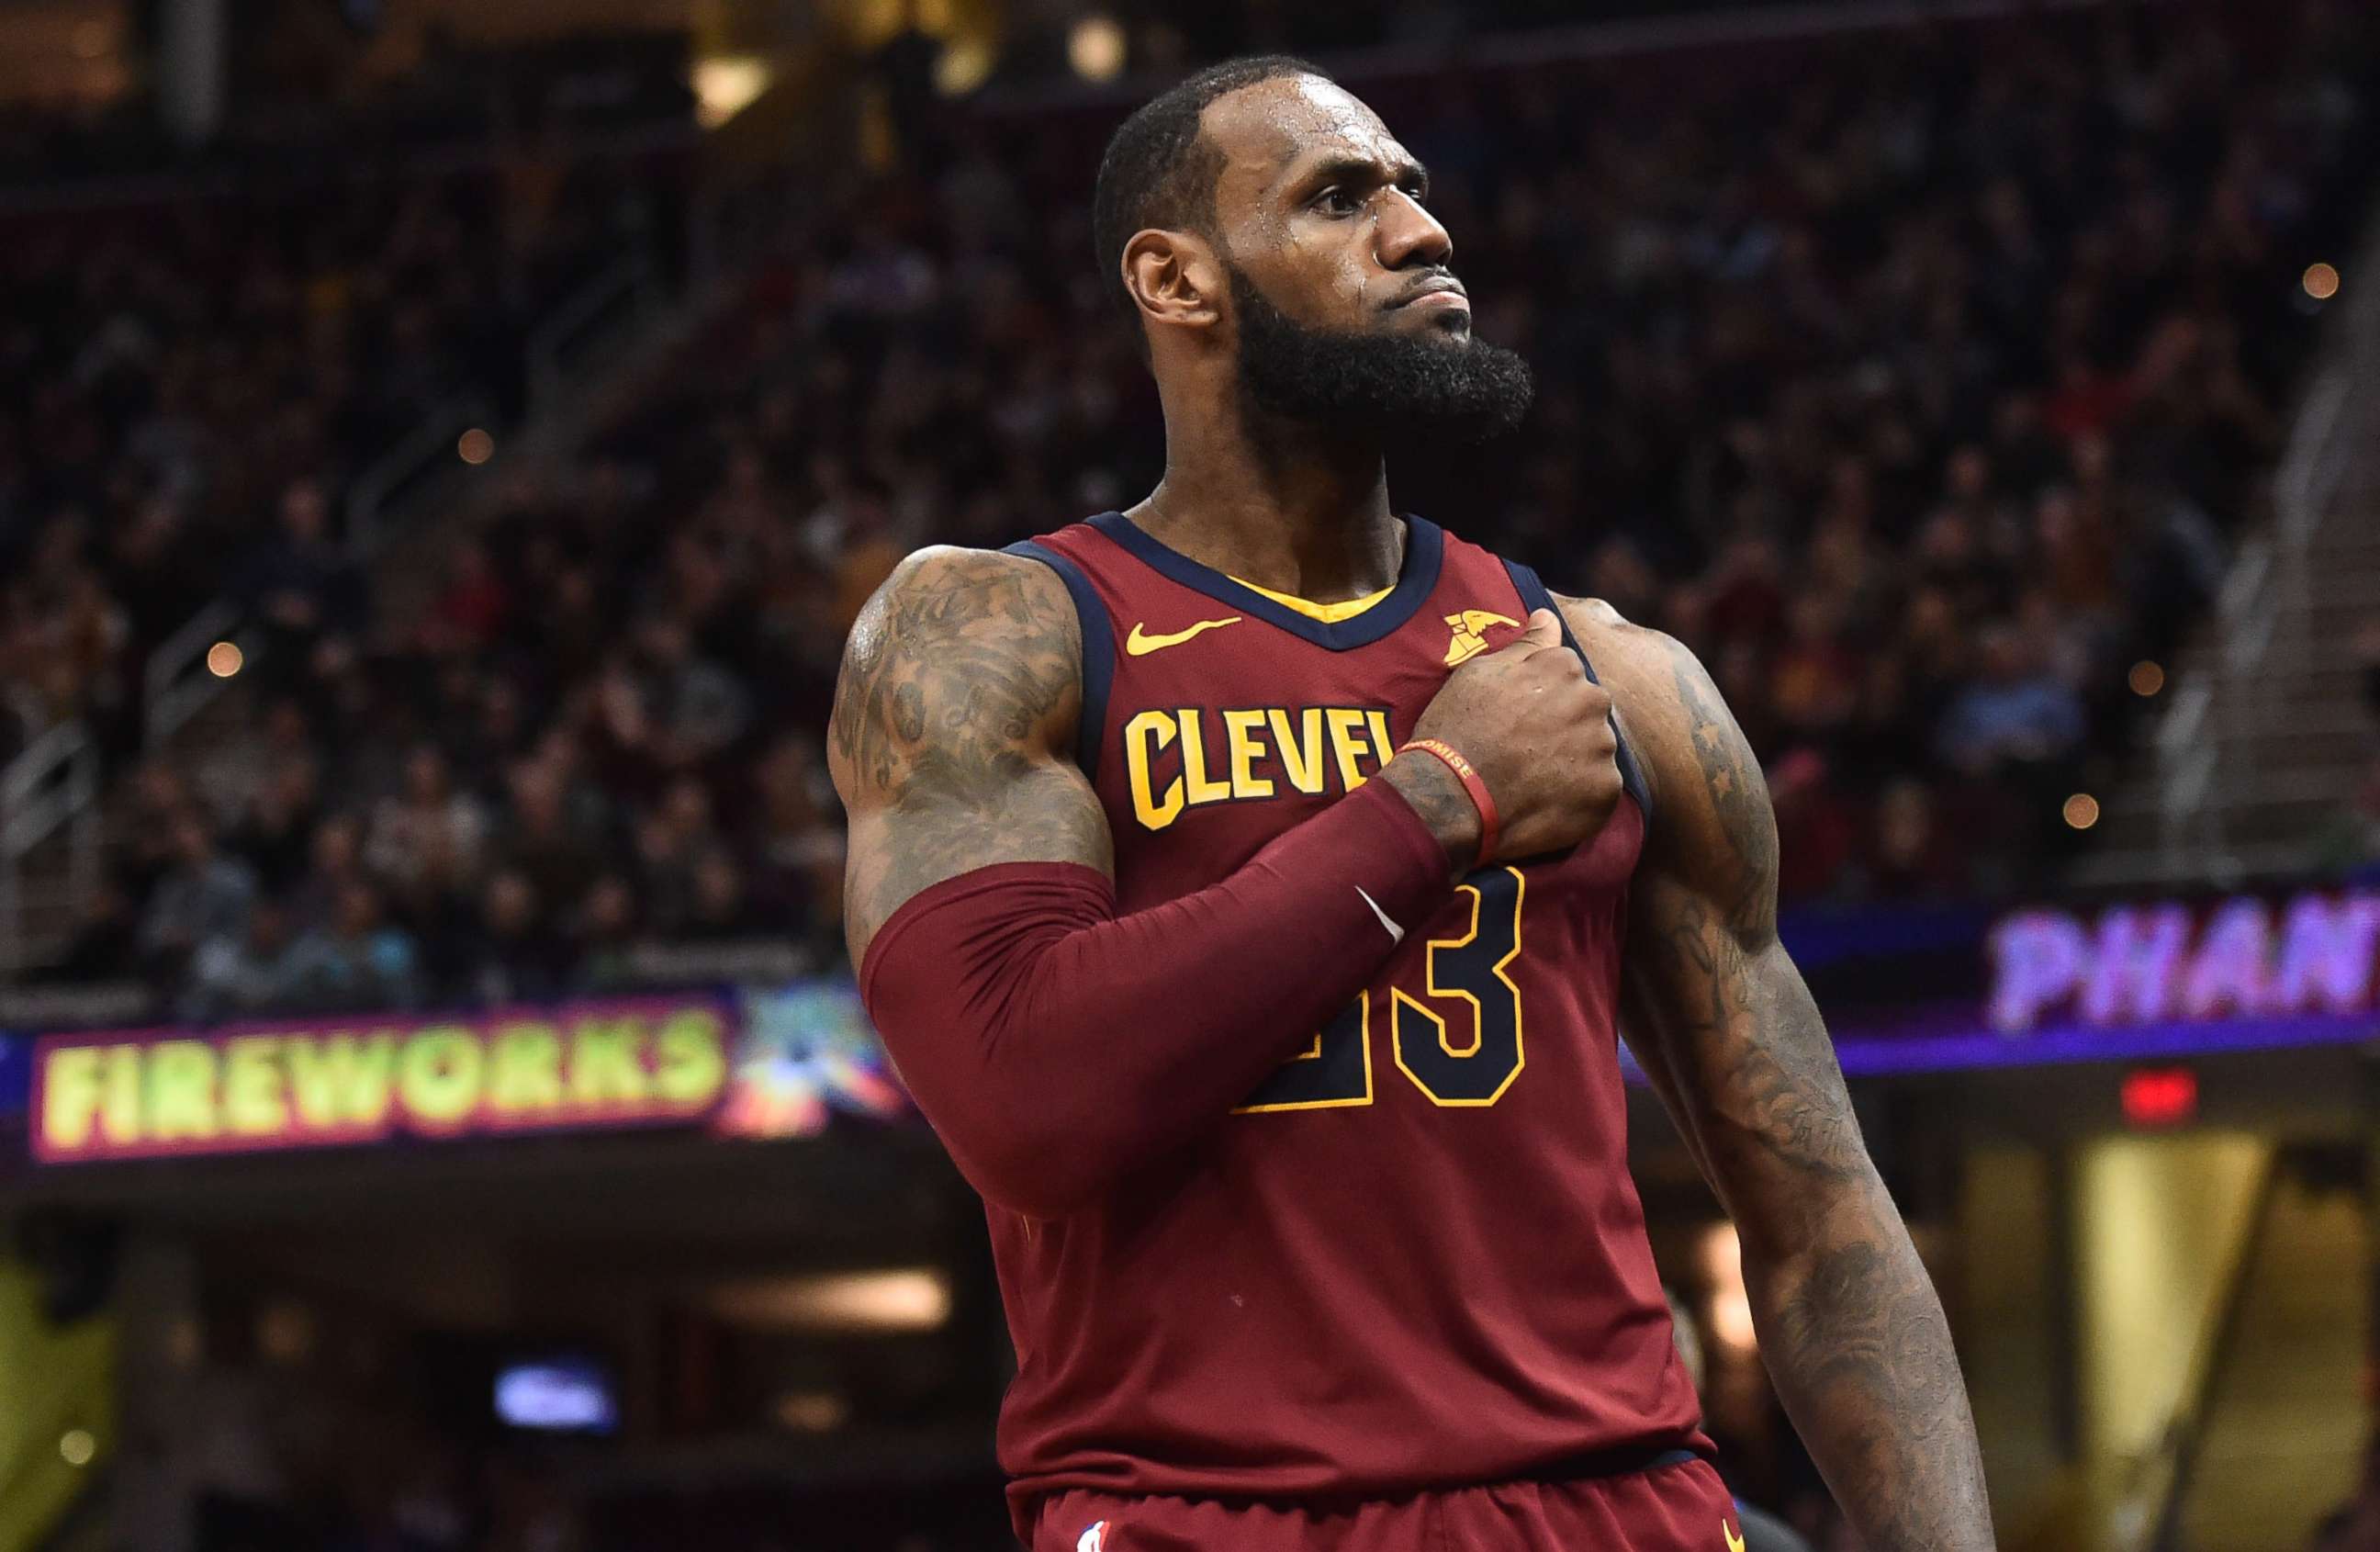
<point>1094,1539</point>
<point>1471,633</point>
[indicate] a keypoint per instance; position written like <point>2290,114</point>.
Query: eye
<point>1415,190</point>
<point>1337,200</point>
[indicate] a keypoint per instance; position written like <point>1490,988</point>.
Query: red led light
<point>2160,1096</point>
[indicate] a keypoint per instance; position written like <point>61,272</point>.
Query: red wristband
<point>1468,774</point>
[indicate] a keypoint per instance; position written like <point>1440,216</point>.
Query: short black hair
<point>1159,171</point>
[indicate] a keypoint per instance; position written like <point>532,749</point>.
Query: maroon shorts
<point>1675,1506</point>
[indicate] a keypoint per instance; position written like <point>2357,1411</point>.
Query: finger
<point>1545,629</point>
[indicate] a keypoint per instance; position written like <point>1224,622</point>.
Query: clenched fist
<point>1537,731</point>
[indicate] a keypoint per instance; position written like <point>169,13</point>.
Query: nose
<point>1409,235</point>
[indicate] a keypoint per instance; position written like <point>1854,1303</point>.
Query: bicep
<point>956,704</point>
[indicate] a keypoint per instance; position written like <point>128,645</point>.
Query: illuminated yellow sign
<point>588,1064</point>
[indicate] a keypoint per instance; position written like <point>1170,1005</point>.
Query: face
<point>1340,281</point>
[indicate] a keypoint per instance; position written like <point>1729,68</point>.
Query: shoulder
<point>1650,674</point>
<point>957,642</point>
<point>945,590</point>
<point>1706,782</point>
<point>951,608</point>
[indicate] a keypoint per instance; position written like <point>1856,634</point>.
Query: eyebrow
<point>1360,169</point>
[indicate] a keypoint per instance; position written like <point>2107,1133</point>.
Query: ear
<point>1174,278</point>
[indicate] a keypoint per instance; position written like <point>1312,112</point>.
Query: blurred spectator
<point>2016,714</point>
<point>427,832</point>
<point>300,582</point>
<point>107,941</point>
<point>697,706</point>
<point>257,968</point>
<point>519,955</point>
<point>605,928</point>
<point>716,908</point>
<point>354,962</point>
<point>276,835</point>
<point>543,841</point>
<point>205,896</point>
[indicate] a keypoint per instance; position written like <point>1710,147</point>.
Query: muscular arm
<point>960,689</point>
<point>1055,1044</point>
<point>1850,1326</point>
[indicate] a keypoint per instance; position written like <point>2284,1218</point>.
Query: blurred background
<point>443,444</point>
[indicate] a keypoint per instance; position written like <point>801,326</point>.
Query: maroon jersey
<point>1413,1259</point>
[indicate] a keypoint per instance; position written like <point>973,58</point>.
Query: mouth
<point>1440,292</point>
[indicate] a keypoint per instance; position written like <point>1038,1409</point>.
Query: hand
<point>1538,731</point>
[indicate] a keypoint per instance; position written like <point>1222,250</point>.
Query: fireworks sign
<point>624,1063</point>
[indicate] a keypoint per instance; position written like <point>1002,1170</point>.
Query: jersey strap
<point>1098,650</point>
<point>1535,596</point>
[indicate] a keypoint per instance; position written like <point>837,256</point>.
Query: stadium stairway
<point>2284,1423</point>
<point>2263,738</point>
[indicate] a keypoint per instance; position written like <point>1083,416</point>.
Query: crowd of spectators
<point>202,377</point>
<point>1918,380</point>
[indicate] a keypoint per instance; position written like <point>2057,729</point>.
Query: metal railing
<point>408,468</point>
<point>609,304</point>
<point>177,682</point>
<point>2263,621</point>
<point>53,785</point>
<point>2153,1510</point>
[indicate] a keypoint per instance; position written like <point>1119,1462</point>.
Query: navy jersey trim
<point>1535,596</point>
<point>1424,555</point>
<point>1098,650</point>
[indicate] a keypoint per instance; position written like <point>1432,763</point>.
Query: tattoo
<point>1863,1359</point>
<point>1735,995</point>
<point>960,684</point>
<point>1739,796</point>
<point>1438,796</point>
<point>1851,1327</point>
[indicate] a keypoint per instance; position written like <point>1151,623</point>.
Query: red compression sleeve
<point>1055,1046</point>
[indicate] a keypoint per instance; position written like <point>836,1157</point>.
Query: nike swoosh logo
<point>1396,933</point>
<point>1734,1541</point>
<point>1142,642</point>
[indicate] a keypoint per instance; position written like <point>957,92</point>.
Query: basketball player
<point>1250,886</point>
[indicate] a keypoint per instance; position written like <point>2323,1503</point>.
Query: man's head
<point>1262,218</point>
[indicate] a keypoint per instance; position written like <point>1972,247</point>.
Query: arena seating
<point>1919,382</point>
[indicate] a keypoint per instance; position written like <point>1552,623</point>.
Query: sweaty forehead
<point>1267,132</point>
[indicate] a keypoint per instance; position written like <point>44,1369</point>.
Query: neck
<point>1278,504</point>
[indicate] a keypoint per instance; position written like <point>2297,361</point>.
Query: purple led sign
<point>2136,980</point>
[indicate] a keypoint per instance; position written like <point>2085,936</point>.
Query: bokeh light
<point>1095,47</point>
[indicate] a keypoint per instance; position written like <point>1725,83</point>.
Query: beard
<point>1381,385</point>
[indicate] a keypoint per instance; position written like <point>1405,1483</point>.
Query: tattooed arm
<point>1056,1044</point>
<point>1849,1322</point>
<point>953,729</point>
